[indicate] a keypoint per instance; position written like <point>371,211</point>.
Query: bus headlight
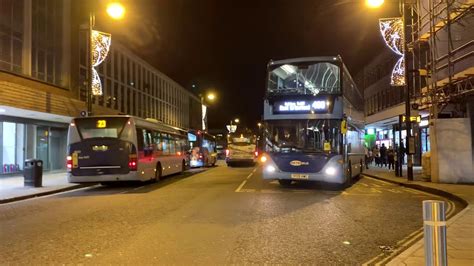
<point>263,159</point>
<point>330,170</point>
<point>270,169</point>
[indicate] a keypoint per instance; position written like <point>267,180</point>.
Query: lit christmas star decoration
<point>100,48</point>
<point>392,33</point>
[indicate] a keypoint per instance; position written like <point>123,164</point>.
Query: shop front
<point>22,139</point>
<point>394,135</point>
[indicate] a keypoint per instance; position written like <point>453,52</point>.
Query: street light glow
<point>374,3</point>
<point>236,120</point>
<point>115,10</point>
<point>211,96</point>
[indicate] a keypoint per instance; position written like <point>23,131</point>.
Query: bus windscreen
<point>103,127</point>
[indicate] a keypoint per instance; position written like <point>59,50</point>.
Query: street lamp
<point>211,96</point>
<point>237,120</point>
<point>374,3</point>
<point>402,80</point>
<point>99,45</point>
<point>115,10</point>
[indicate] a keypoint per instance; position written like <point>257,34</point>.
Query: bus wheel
<point>284,182</point>
<point>183,167</point>
<point>348,182</point>
<point>158,173</point>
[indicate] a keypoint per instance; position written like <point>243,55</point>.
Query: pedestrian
<point>366,152</point>
<point>396,160</point>
<point>391,158</point>
<point>402,153</point>
<point>376,153</point>
<point>383,155</point>
<point>371,156</point>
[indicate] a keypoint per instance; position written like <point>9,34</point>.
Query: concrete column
<point>470,111</point>
<point>27,38</point>
<point>434,151</point>
<point>1,145</point>
<point>30,141</point>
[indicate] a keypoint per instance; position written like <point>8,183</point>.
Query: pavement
<point>460,228</point>
<point>12,188</point>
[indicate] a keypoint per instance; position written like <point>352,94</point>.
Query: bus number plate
<point>299,176</point>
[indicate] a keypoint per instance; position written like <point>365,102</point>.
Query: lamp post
<point>116,11</point>
<point>211,97</point>
<point>399,79</point>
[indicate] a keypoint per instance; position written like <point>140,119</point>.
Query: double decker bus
<point>123,148</point>
<point>202,149</point>
<point>314,122</point>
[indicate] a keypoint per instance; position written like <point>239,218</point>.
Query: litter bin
<point>33,173</point>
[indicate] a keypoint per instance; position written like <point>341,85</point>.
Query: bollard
<point>434,219</point>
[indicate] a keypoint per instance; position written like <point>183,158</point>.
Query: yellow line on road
<point>241,185</point>
<point>250,175</point>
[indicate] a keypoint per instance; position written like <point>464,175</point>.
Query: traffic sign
<point>412,118</point>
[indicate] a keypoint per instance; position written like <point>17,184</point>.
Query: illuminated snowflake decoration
<point>392,33</point>
<point>100,48</point>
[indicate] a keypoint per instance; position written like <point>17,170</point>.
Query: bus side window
<point>140,142</point>
<point>165,144</point>
<point>172,144</point>
<point>148,147</point>
<point>157,143</point>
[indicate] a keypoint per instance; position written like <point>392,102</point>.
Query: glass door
<point>42,145</point>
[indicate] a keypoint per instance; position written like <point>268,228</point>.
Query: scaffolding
<point>441,53</point>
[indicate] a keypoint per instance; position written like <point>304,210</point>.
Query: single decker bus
<point>123,148</point>
<point>241,148</point>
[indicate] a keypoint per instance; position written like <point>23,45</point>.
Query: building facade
<point>43,83</point>
<point>440,60</point>
<point>442,50</point>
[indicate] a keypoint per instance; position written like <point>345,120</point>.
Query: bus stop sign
<point>343,127</point>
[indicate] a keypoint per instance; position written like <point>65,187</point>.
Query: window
<point>11,35</point>
<point>47,40</point>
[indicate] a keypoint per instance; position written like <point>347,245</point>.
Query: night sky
<point>226,44</point>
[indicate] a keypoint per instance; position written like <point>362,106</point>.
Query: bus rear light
<point>256,153</point>
<point>132,162</point>
<point>69,163</point>
<point>227,152</point>
<point>179,153</point>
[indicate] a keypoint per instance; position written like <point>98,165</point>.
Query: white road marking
<point>245,181</point>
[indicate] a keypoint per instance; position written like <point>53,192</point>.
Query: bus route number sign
<point>101,124</point>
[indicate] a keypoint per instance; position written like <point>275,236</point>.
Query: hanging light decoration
<point>100,48</point>
<point>393,34</point>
